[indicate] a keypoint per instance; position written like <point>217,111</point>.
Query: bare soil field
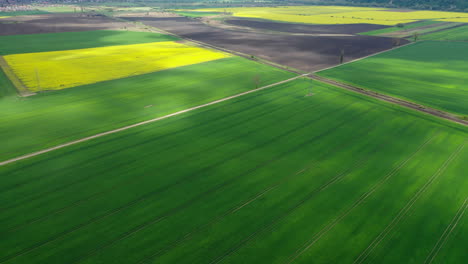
<point>303,28</point>
<point>307,53</point>
<point>51,23</point>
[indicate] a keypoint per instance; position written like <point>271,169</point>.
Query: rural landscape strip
<point>393,100</point>
<point>3,163</point>
<point>404,211</point>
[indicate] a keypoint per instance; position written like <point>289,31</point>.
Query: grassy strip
<point>196,14</point>
<point>75,40</point>
<point>428,73</point>
<point>24,13</point>
<point>58,117</point>
<point>222,179</point>
<point>6,87</point>
<point>453,34</point>
<point>402,29</point>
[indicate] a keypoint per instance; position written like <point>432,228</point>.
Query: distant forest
<point>454,5</point>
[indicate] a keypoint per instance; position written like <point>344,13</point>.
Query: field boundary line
<point>368,56</point>
<point>22,90</point>
<point>361,199</point>
<point>447,232</point>
<point>37,153</point>
<point>394,100</point>
<point>403,212</point>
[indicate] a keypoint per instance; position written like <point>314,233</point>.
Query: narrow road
<point>6,162</point>
<point>393,100</point>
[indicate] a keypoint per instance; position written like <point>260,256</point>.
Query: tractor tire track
<point>358,202</point>
<point>312,194</point>
<point>447,232</point>
<point>402,213</point>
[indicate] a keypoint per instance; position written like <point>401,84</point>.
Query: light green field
<point>263,178</point>
<point>428,73</point>
<point>454,34</point>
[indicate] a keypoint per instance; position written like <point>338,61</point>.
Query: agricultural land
<point>84,110</point>
<point>202,132</point>
<point>242,185</point>
<point>429,73</point>
<point>340,15</point>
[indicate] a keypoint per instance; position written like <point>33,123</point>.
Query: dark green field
<point>75,40</point>
<point>263,178</point>
<point>454,34</point>
<point>428,73</point>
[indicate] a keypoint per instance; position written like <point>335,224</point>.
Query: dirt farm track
<point>303,52</point>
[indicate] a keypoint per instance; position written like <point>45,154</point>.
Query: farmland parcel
<point>55,117</point>
<point>341,15</point>
<point>428,73</point>
<point>274,171</point>
<point>57,70</point>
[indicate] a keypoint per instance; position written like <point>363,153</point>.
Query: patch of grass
<point>397,29</point>
<point>453,34</point>
<point>196,14</point>
<point>56,70</point>
<point>60,9</point>
<point>60,116</point>
<point>6,87</point>
<point>23,13</point>
<point>428,73</point>
<point>75,40</point>
<point>252,180</point>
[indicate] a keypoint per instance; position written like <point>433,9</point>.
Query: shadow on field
<point>61,116</point>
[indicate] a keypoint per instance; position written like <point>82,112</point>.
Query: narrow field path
<point>6,162</point>
<point>407,104</point>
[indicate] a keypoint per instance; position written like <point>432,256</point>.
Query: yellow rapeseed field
<point>63,69</point>
<point>340,14</point>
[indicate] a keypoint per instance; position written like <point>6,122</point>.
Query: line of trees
<point>454,5</point>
